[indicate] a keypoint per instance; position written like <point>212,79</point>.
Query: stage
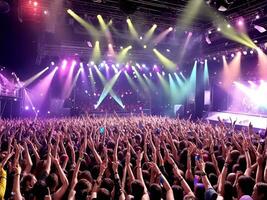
<point>243,120</point>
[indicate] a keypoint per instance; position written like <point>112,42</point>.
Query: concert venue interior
<point>194,61</point>
<point>71,58</point>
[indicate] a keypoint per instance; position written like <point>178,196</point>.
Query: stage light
<point>121,47</point>
<point>143,65</point>
<point>92,63</point>
<point>109,45</point>
<point>26,107</point>
<point>52,63</point>
<point>168,50</point>
<point>145,46</point>
<point>245,52</point>
<point>257,17</point>
<point>214,58</point>
<point>35,3</point>
<point>240,22</point>
<point>261,29</point>
<point>163,73</point>
<point>251,52</point>
<point>150,74</point>
<point>117,65</point>
<point>171,29</point>
<point>218,29</point>
<point>228,26</point>
<point>45,12</point>
<point>232,55</point>
<point>64,64</point>
<point>209,32</point>
<point>140,37</point>
<point>48,112</point>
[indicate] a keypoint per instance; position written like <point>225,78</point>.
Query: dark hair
<point>213,179</point>
<point>262,190</point>
<point>137,189</point>
<point>85,175</point>
<point>229,194</point>
<point>108,184</point>
<point>200,191</point>
<point>246,184</point>
<point>40,189</point>
<point>103,194</point>
<point>177,192</point>
<point>155,191</point>
<point>83,184</point>
<point>52,181</point>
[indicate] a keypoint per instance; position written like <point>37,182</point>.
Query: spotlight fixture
<point>261,29</point>
<point>171,29</point>
<point>168,50</point>
<point>257,16</point>
<point>218,29</point>
<point>245,52</point>
<point>209,32</point>
<point>145,46</point>
<point>232,55</point>
<point>228,26</point>
<point>251,52</point>
<point>140,37</point>
<point>214,58</point>
<point>220,5</point>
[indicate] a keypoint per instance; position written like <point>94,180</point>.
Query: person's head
<point>155,192</point>
<point>229,194</point>
<point>108,184</point>
<point>83,185</point>
<point>103,194</point>
<point>40,190</point>
<point>52,181</point>
<point>137,189</point>
<point>177,192</point>
<point>28,181</point>
<point>85,175</point>
<point>244,186</point>
<point>200,191</point>
<point>231,178</point>
<point>213,179</point>
<point>260,191</point>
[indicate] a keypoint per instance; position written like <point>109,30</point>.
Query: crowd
<point>137,158</point>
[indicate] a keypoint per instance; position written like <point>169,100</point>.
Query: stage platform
<point>243,120</point>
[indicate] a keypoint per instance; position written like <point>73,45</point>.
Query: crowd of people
<point>137,158</point>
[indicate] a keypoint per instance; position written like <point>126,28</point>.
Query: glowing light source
<point>240,22</point>
<point>171,29</point>
<point>218,29</point>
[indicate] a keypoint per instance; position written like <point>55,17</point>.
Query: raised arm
<point>140,174</point>
<point>63,179</point>
<point>28,159</point>
<point>163,180</point>
<point>92,148</point>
